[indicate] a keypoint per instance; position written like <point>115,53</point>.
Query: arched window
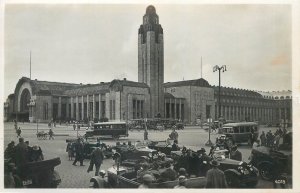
<point>25,99</point>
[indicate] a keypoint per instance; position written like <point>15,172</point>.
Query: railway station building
<point>149,97</point>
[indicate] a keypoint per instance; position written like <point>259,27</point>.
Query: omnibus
<point>113,129</point>
<point>240,132</point>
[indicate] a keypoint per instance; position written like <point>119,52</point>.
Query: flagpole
<point>30,65</point>
<point>201,66</point>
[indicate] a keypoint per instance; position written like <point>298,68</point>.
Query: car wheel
<point>94,184</point>
<point>266,171</point>
<point>232,180</point>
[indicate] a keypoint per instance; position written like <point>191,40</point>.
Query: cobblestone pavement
<point>77,176</point>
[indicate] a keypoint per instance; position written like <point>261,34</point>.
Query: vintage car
<point>90,144</point>
<point>179,126</point>
<point>39,174</point>
<point>272,162</point>
<point>137,151</point>
<point>162,146</point>
<point>238,173</point>
<point>124,175</point>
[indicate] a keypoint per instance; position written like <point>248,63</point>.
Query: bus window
<point>242,129</point>
<point>235,129</point>
<point>247,128</point>
<point>255,128</point>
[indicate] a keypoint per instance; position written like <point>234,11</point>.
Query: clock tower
<point>151,59</point>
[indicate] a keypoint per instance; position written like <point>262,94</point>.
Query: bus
<point>240,132</point>
<point>113,129</point>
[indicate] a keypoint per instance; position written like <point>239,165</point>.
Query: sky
<point>99,43</point>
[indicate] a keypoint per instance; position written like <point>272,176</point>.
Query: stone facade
<point>151,59</point>
<point>196,98</point>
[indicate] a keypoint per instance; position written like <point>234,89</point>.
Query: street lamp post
<point>209,143</point>
<point>218,68</point>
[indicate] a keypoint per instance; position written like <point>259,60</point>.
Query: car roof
<point>239,124</point>
<point>110,123</point>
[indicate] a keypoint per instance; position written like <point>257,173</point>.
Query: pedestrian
<point>263,139</point>
<point>252,137</point>
<point>147,181</point>
<point>16,125</point>
<point>36,154</point>
<point>280,132</point>
<point>79,152</point>
<point>145,135</point>
<point>256,144</point>
<point>96,159</point>
<point>19,131</point>
<point>284,131</point>
<point>276,140</point>
<point>215,178</point>
<point>204,162</point>
<point>51,134</point>
<point>174,135</point>
<point>10,152</point>
<point>21,152</point>
<point>181,183</point>
<point>70,151</point>
<point>74,126</point>
<point>269,138</point>
<point>175,146</point>
<point>235,154</point>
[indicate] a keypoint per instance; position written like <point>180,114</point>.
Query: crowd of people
<point>23,153</point>
<point>271,139</point>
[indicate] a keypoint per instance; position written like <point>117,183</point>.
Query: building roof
<point>129,83</point>
<point>196,82</point>
<point>89,89</point>
<point>236,92</point>
<point>53,88</point>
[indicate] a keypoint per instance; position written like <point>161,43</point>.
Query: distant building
<point>189,100</point>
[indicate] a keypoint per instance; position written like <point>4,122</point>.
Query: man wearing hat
<point>235,154</point>
<point>215,178</point>
<point>147,181</point>
<point>21,152</point>
<point>204,162</point>
<point>181,183</point>
<point>97,158</point>
<point>36,154</point>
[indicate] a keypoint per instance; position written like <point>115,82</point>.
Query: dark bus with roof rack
<point>113,129</point>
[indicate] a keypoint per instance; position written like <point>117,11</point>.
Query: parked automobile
<point>179,126</point>
<point>272,163</point>
<point>137,151</point>
<point>237,173</point>
<point>161,146</point>
<point>39,174</point>
<point>123,175</point>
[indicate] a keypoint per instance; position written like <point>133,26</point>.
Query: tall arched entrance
<point>24,109</point>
